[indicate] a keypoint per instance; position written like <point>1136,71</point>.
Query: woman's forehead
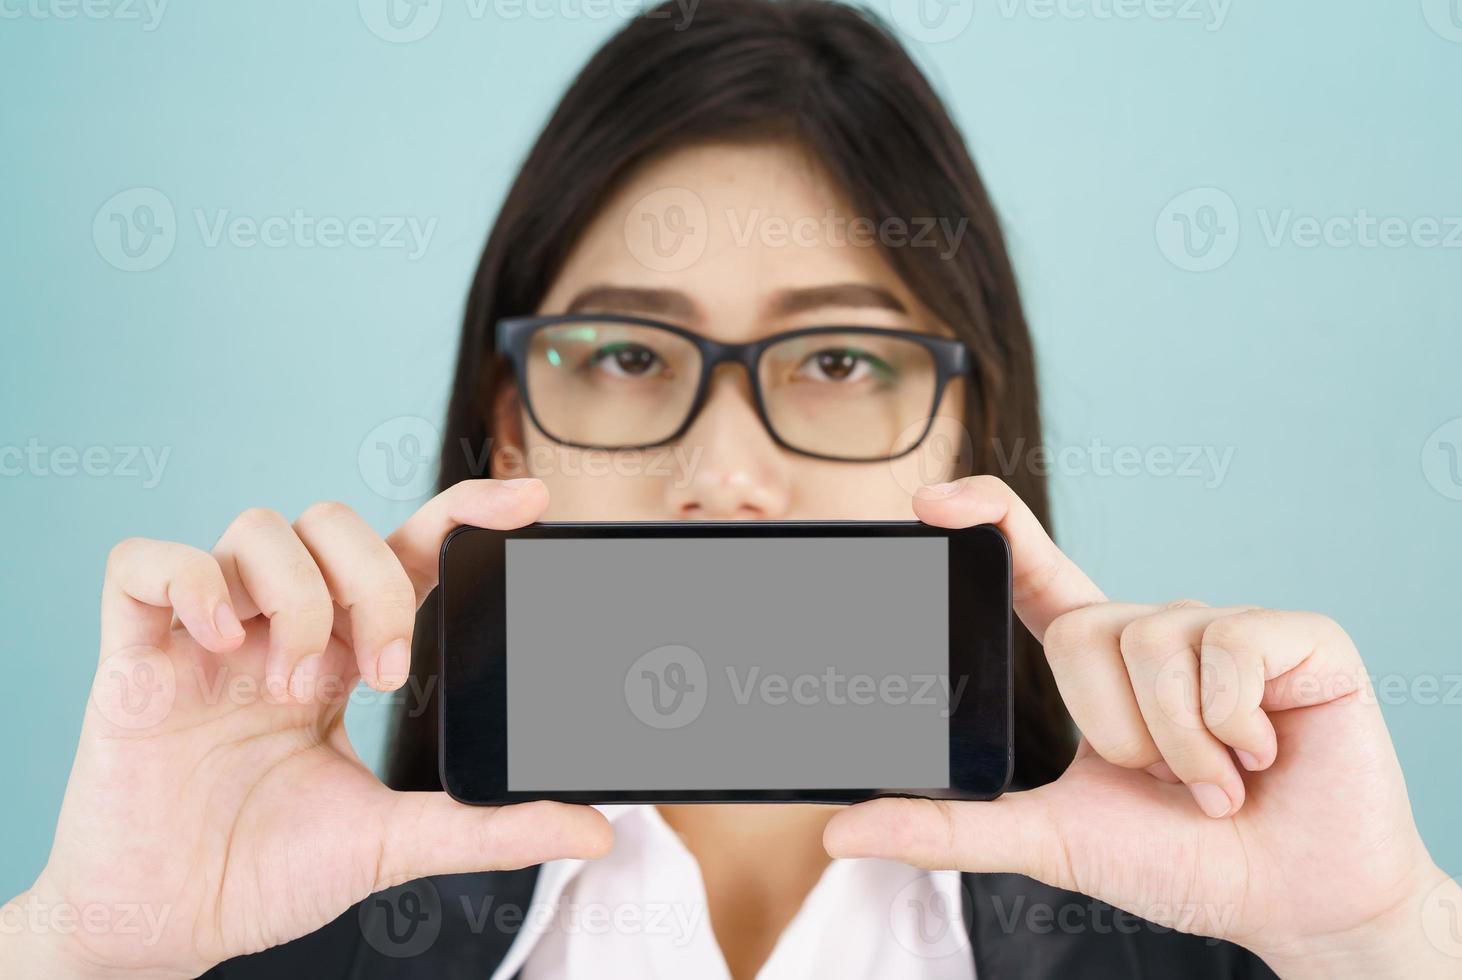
<point>745,230</point>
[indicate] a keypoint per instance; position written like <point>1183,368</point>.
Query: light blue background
<point>263,370</point>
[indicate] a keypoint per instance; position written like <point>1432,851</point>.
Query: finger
<point>432,834</point>
<point>281,578</point>
<point>1305,658</point>
<point>366,579</point>
<point>1044,582</point>
<point>1014,834</point>
<point>1232,679</point>
<point>1084,650</point>
<point>243,603</point>
<point>502,505</point>
<point>148,581</point>
<point>1161,652</point>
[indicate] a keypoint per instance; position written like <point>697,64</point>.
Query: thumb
<point>1012,834</point>
<point>432,834</point>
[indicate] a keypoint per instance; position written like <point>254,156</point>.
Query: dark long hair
<point>834,81</point>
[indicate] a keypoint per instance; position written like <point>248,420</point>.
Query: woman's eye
<point>842,365</point>
<point>626,360</point>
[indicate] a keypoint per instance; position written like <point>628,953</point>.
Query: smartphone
<point>718,662</point>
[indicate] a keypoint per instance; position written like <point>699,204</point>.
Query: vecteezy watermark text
<point>833,687</point>
<point>840,231</point>
<point>1211,14</point>
<point>137,229</point>
<point>1199,230</point>
<point>145,463</point>
<point>1091,916</point>
<point>407,21</point>
<point>31,914</point>
<point>136,690</point>
<point>147,13</point>
<point>668,687</point>
<point>299,229</point>
<point>405,921</point>
<point>668,230</point>
<point>936,21</point>
<point>1210,464</point>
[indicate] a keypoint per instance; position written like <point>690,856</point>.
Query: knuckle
<point>1220,714</point>
<point>1222,636</point>
<point>303,589</point>
<point>304,576</point>
<point>948,857</point>
<point>399,599</point>
<point>466,490</point>
<point>198,572</point>
<point>1229,635</point>
<point>318,599</point>
<point>309,621</point>
<point>1188,757</point>
<point>1131,752</point>
<point>1329,628</point>
<point>1173,694</point>
<point>123,549</point>
<point>392,599</point>
<point>326,512</point>
<point>258,518</point>
<point>1229,692</point>
<point>1074,633</point>
<point>990,484</point>
<point>1150,637</point>
<point>1186,604</point>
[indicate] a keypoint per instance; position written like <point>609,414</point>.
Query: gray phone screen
<point>758,663</point>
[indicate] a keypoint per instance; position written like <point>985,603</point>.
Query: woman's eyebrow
<point>667,303</point>
<point>850,294</point>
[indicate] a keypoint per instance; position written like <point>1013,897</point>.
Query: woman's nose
<point>737,471</point>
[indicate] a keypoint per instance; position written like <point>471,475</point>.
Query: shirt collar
<point>554,877</point>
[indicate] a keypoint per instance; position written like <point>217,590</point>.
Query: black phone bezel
<point>473,754</point>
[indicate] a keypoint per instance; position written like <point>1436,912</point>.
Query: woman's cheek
<point>591,485</point>
<point>827,491</point>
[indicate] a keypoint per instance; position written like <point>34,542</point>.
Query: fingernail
<point>522,483</point>
<point>1211,800</point>
<point>306,672</point>
<point>936,490</point>
<point>226,621</point>
<point>1161,770</point>
<point>393,664</point>
<point>1248,760</point>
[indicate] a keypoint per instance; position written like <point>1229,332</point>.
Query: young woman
<point>767,168</point>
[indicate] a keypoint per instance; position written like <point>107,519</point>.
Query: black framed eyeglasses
<point>848,394</point>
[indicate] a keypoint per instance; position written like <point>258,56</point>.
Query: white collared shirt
<point>641,912</point>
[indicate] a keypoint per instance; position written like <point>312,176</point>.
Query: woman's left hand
<point>1235,777</point>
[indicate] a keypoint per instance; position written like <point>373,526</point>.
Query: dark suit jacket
<point>460,926</point>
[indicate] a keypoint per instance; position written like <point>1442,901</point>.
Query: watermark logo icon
<point>1198,230</point>
<point>398,458</point>
<point>135,688</point>
<point>667,230</point>
<point>667,687</point>
<point>1441,459</point>
<point>931,921</point>
<point>400,21</point>
<point>404,921</point>
<point>1444,17</point>
<point>932,21</point>
<point>946,449</point>
<point>1441,918</point>
<point>136,229</point>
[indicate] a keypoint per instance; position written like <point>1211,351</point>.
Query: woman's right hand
<point>214,788</point>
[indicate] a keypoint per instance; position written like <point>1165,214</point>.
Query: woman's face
<point>734,242</point>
